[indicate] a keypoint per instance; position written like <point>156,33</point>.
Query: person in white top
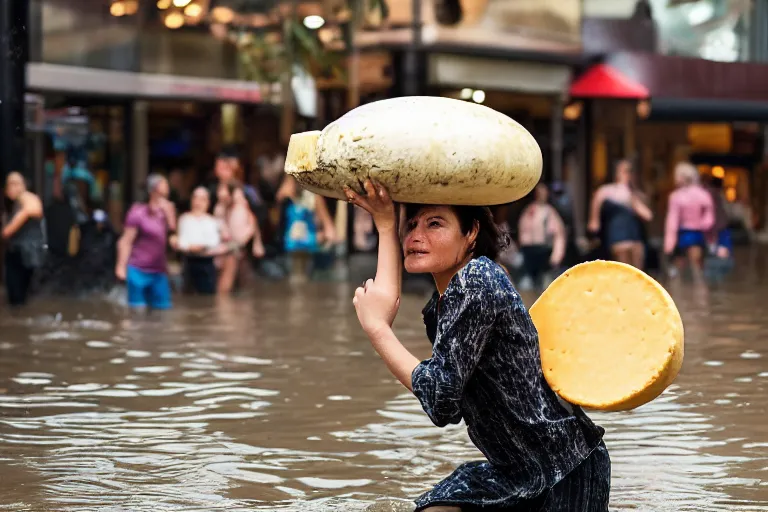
<point>199,239</point>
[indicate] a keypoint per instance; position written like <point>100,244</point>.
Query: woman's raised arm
<point>389,267</point>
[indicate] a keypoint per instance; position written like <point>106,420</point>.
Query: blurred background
<point>163,85</point>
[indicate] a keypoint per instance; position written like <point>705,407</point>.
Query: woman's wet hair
<point>491,240</point>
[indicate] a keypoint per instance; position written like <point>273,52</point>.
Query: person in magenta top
<point>141,251</point>
<point>690,215</point>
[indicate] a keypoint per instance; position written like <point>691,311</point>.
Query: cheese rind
<point>302,152</point>
<point>610,337</point>
<point>424,150</point>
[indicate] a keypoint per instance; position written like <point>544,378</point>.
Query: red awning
<point>603,81</point>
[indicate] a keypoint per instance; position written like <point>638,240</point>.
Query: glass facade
<point>709,29</point>
<point>135,37</point>
<point>718,30</point>
<point>487,20</point>
<point>535,25</point>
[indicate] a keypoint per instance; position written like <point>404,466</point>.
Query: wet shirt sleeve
<point>465,318</point>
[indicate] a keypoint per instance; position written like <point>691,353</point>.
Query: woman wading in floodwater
<point>542,454</point>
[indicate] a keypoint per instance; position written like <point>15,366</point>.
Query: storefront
<point>710,113</point>
<point>120,90</point>
<point>515,57</point>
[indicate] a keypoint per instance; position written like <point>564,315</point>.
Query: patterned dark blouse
<point>485,369</point>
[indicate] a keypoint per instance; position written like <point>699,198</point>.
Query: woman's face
<point>234,164</point>
<point>542,193</point>
<point>624,173</point>
<point>200,200</point>
<point>14,186</point>
<point>433,241</point>
<point>223,170</point>
<point>162,189</point>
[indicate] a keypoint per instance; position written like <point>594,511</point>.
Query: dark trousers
<point>200,273</point>
<point>536,262</point>
<point>17,278</point>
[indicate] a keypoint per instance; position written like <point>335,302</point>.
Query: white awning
<point>459,71</point>
<point>88,81</point>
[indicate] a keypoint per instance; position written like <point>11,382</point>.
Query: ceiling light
<point>163,4</point>
<point>131,7</point>
<point>223,14</point>
<point>314,21</point>
<point>193,10</point>
<point>466,93</point>
<point>181,3</point>
<point>478,96</point>
<point>174,20</point>
<point>326,35</point>
<point>117,9</point>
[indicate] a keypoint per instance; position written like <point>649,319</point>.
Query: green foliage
<point>265,57</point>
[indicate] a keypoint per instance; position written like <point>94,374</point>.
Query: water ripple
<point>225,406</point>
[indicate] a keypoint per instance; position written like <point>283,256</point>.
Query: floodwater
<point>275,401</point>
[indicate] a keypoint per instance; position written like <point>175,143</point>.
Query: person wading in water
<point>541,453</point>
<point>24,238</point>
<point>141,252</point>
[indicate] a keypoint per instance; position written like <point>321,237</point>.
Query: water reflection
<point>275,401</point>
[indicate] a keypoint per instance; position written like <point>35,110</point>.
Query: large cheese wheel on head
<point>610,336</point>
<point>423,149</point>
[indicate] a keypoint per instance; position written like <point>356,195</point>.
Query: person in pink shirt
<point>690,216</point>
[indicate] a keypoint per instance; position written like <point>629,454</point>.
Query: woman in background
<point>542,239</point>
<point>199,238</point>
<point>239,228</point>
<point>616,213</point>
<point>307,226</point>
<point>141,251</point>
<point>24,238</point>
<point>690,217</point>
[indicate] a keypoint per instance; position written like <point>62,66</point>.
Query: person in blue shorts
<point>141,251</point>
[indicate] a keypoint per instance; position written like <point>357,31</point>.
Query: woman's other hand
<point>377,202</point>
<point>376,307</point>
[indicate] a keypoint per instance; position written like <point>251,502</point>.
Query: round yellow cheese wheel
<point>423,149</point>
<point>610,336</point>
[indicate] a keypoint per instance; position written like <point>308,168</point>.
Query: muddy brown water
<point>275,401</point>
